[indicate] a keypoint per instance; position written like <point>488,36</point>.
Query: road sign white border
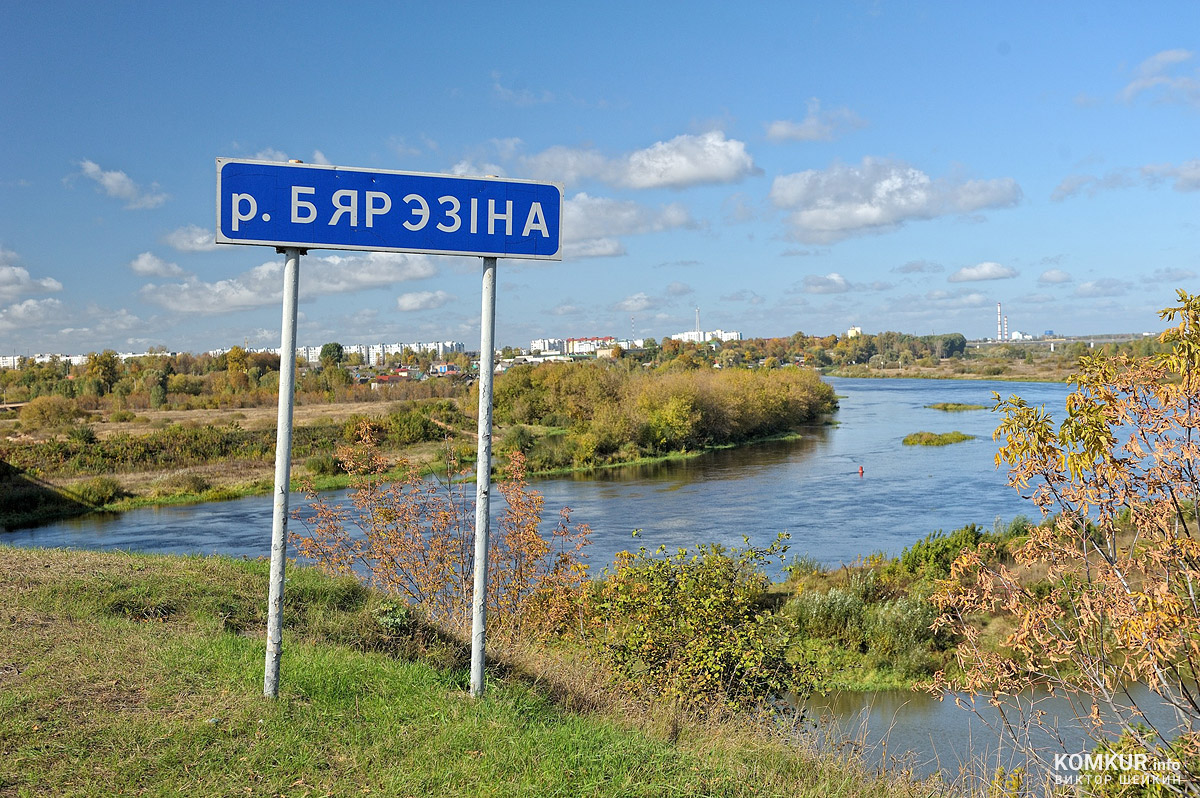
<point>222,239</point>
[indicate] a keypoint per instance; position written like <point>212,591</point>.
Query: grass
<point>955,407</point>
<point>138,674</point>
<point>936,438</point>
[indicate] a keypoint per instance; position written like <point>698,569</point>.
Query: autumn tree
<point>104,368</point>
<point>413,537</point>
<point>1106,592</point>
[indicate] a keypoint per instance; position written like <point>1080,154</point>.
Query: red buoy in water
<point>860,471</point>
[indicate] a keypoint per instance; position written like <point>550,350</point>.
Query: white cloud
<point>586,217</point>
<point>1107,286</point>
<point>15,280</point>
<point>150,265</point>
<point>1186,175</point>
<point>960,298</point>
<point>686,160</point>
<point>635,303</point>
<point>878,195</point>
<point>817,125</point>
<point>565,165</point>
<point>566,309</point>
<point>591,224</point>
<point>318,157</point>
<point>679,289</point>
<point>1170,276</point>
<point>118,185</point>
<point>336,274</point>
<point>593,248</point>
<point>918,267</point>
<point>1054,276</point>
<point>473,169</point>
<point>263,285</point>
<point>1152,76</point>
<point>30,313</point>
<point>522,97</point>
<point>1071,185</point>
<point>423,300</point>
<point>269,154</point>
<point>832,283</point>
<point>744,295</point>
<point>191,238</point>
<point>988,270</point>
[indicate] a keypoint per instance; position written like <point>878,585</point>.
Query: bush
<point>48,411</point>
<point>695,628</point>
<point>99,491</point>
<point>82,434</point>
<point>518,438</point>
<point>324,465</point>
<point>184,483</point>
<point>837,615</point>
<point>411,426</point>
<point>122,416</point>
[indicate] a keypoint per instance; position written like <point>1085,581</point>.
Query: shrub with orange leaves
<point>413,536</point>
<point>1107,592</point>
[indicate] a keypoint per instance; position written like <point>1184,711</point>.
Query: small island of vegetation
<point>955,407</point>
<point>936,438</point>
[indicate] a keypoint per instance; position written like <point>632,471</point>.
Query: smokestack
<point>1006,328</point>
<point>999,323</point>
<point>697,320</point>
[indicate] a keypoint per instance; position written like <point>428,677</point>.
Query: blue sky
<point>781,166</point>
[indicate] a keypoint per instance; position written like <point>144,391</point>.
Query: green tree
<point>332,354</point>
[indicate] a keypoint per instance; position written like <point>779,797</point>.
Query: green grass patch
<point>936,438</point>
<point>955,407</point>
<point>132,674</point>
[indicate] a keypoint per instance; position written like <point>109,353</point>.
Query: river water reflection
<point>809,488</point>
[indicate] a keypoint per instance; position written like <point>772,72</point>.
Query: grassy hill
<point>126,674</point>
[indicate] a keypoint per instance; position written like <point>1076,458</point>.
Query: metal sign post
<point>297,206</point>
<point>283,470</point>
<point>483,476</point>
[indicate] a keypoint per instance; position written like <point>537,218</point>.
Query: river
<point>809,488</point>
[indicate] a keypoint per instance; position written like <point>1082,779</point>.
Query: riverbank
<point>53,498</point>
<point>132,673</point>
<point>1010,371</point>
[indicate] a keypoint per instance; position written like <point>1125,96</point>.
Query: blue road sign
<point>313,206</point>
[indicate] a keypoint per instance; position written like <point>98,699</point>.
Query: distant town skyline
<point>786,167</point>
